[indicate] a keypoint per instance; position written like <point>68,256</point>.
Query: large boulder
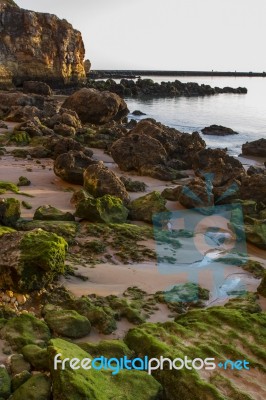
<point>67,323</point>
<point>92,384</point>
<point>29,261</point>
<point>143,208</point>
<point>255,148</point>
<point>70,166</point>
<point>107,209</point>
<point>37,88</point>
<point>25,329</point>
<point>39,46</point>
<point>100,180</point>
<point>135,151</point>
<point>96,107</point>
<point>217,166</point>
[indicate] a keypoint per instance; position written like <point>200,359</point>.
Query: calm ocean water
<point>244,113</point>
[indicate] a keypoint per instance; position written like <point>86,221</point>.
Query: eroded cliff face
<point>39,46</point>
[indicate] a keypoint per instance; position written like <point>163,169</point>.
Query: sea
<point>244,113</point>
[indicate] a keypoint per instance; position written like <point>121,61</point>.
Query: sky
<point>192,35</point>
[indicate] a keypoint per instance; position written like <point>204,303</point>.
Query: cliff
<point>38,46</point>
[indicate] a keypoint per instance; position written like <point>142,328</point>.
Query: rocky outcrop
<point>154,149</point>
<point>39,46</point>
<point>255,148</point>
<point>96,107</point>
<point>218,130</point>
<point>197,194</point>
<point>253,188</point>
<point>144,208</point>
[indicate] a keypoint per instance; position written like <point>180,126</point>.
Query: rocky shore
<point>92,232</point>
<point>80,185</point>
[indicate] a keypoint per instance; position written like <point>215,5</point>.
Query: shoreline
<point>117,73</point>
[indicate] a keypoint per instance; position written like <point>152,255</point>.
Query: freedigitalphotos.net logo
<point>202,240</point>
<point>115,365</point>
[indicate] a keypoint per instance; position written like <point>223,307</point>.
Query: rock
<point>135,151</point>
<point>9,211</point>
<point>36,356</point>
<point>256,233</point>
<point>143,208</point>
<point>254,170</point>
<point>25,329</point>
<point>197,194</point>
<point>96,107</point>
<point>255,148</point>
<point>87,66</point>
<point>107,209</point>
<point>23,114</point>
<point>262,286</point>
<point>18,364</point>
<point>102,137</point>
<point>138,112</point>
<point>49,213</point>
<point>19,379</point>
<point>172,194</point>
<point>37,88</point>
<point>217,166</point>
<point>101,384</point>
<point>107,348</point>
<point>38,387</point>
<point>23,181</point>
<point>62,117</point>
<point>59,145</point>
<point>253,188</point>
<point>71,166</point>
<point>5,383</point>
<point>40,46</point>
<point>100,180</point>
<point>161,172</point>
<point>133,186</point>
<point>64,130</point>
<point>67,323</point>
<point>66,229</point>
<point>218,130</point>
<point>3,125</point>
<point>29,261</point>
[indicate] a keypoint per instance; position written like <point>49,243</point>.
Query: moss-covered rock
<point>218,332</point>
<point>38,387</point>
<point>23,181</point>
<point>100,180</point>
<point>133,186</point>
<point>256,233</point>
<point>5,383</point>
<point>107,348</point>
<point>18,364</point>
<point>36,356</point>
<point>4,230</point>
<point>254,267</point>
<point>49,213</point>
<point>246,302</point>
<point>262,286</point>
<point>108,209</point>
<point>81,384</point>
<point>143,208</point>
<point>19,379</point>
<point>25,329</point>
<point>67,323</point>
<point>66,229</point>
<point>9,211</point>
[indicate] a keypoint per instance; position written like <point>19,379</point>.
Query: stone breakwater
<point>38,46</point>
<point>147,87</point>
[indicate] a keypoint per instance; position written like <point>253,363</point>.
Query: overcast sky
<point>167,34</point>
